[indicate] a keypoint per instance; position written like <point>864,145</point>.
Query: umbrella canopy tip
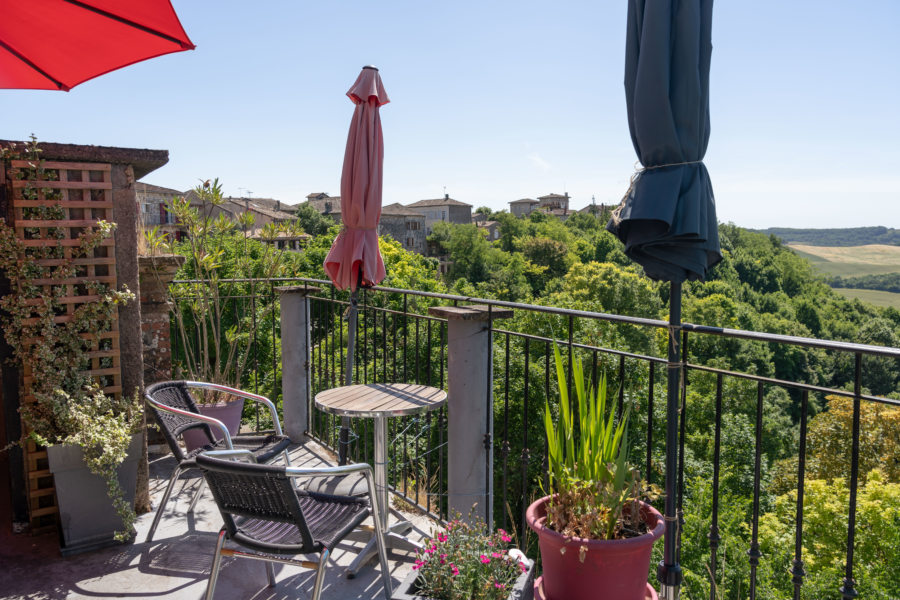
<point>373,67</point>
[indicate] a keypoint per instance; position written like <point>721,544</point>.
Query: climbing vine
<point>68,405</point>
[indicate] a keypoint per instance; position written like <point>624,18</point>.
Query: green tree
<point>312,221</point>
<point>825,537</point>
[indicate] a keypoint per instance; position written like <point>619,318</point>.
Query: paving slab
<point>176,564</point>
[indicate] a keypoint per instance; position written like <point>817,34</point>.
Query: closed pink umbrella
<point>354,258</point>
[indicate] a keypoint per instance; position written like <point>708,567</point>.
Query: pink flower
<point>504,536</point>
<point>442,537</point>
<point>430,549</point>
<point>499,585</point>
<point>484,559</point>
<point>453,569</point>
<point>418,564</point>
<point>523,567</point>
<point>496,555</point>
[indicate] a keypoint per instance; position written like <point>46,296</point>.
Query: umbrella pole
<point>352,312</point>
<point>669,571</point>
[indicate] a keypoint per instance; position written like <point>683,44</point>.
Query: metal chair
<point>176,412</point>
<point>265,513</point>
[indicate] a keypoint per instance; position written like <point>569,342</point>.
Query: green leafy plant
<point>214,330</point>
<point>56,345</point>
<point>594,490</point>
<point>465,563</point>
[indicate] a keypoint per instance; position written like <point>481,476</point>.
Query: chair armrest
<point>240,453</point>
<point>328,471</point>
<point>196,417</point>
<point>364,468</point>
<point>241,394</point>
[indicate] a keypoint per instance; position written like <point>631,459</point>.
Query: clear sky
<point>503,100</point>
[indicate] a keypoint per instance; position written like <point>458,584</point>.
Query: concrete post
<point>470,408</point>
<point>296,351</point>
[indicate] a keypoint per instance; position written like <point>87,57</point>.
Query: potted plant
<point>88,433</point>
<point>594,532</point>
<point>465,563</point>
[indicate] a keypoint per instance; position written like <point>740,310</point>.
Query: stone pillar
<point>156,273</point>
<point>470,408</point>
<point>131,358</point>
<point>296,350</point>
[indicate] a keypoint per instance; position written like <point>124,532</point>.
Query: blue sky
<point>503,100</point>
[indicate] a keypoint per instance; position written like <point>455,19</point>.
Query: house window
<point>410,242</point>
<point>412,225</point>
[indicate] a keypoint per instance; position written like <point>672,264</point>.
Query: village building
<point>491,229</point>
<point>153,205</point>
<point>405,225</point>
<point>400,222</point>
<point>443,210</point>
<point>523,207</point>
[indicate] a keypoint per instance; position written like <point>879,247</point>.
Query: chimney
<point>446,196</point>
<point>278,205</point>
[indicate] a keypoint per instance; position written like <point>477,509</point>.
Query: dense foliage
<point>886,282</point>
<point>760,285</point>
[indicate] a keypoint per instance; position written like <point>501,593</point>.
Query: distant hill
<point>854,236</point>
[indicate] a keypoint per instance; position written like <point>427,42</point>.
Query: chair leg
<point>287,459</point>
<point>320,574</point>
<point>382,558</point>
<point>270,573</point>
<point>214,570</point>
<point>162,503</point>
<point>197,495</point>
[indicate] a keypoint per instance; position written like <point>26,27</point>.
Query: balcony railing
<point>398,341</point>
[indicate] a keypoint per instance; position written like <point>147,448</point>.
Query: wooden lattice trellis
<point>83,191</point>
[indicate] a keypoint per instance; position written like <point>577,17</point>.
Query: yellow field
<point>873,254</point>
<point>851,261</point>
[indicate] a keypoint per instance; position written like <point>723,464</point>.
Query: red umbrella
<point>57,44</point>
<point>354,257</point>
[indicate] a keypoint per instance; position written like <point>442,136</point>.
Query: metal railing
<point>399,342</point>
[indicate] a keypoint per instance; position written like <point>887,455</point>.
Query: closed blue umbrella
<point>667,219</point>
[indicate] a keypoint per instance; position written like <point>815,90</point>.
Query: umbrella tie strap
<point>616,216</point>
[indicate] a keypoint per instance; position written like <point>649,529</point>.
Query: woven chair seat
<point>329,519</point>
<point>263,447</point>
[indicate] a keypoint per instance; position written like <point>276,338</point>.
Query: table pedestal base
<point>394,538</point>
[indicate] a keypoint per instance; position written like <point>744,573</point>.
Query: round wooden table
<point>380,401</point>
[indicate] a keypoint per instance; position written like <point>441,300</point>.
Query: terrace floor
<point>176,564</point>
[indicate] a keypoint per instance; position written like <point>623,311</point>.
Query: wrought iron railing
<point>399,342</point>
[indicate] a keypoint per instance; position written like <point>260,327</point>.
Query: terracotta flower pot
<point>227,412</point>
<point>608,569</point>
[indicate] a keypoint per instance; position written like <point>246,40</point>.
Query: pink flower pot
<point>227,412</point>
<point>609,569</point>
<point>650,594</point>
